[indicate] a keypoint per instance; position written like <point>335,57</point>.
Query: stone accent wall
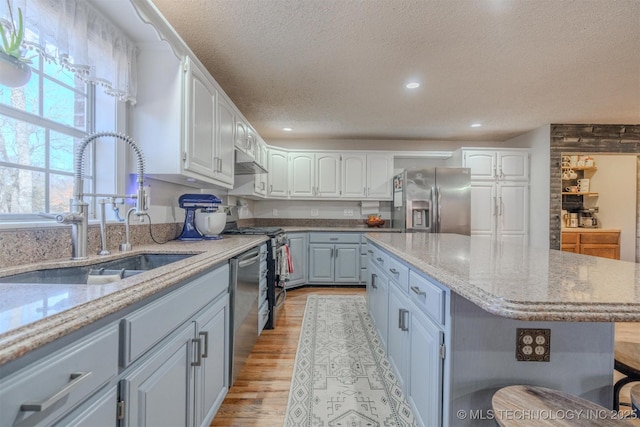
<point>619,139</point>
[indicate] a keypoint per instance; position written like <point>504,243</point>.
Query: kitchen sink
<point>101,272</point>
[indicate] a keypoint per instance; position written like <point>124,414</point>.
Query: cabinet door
<point>513,211</point>
<point>513,165</point>
<point>425,369</point>
<point>379,176</point>
<point>398,334</point>
<point>224,156</point>
<point>604,251</point>
<point>354,175</point>
<point>277,178</point>
<point>241,135</point>
<point>201,96</point>
<point>298,249</point>
<point>212,376</point>
<point>159,392</point>
<point>481,163</point>
<point>301,175</point>
<point>327,180</point>
<point>347,263</point>
<point>321,263</point>
<point>483,209</point>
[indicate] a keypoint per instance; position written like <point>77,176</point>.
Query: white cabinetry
<point>314,175</point>
<point>334,258</point>
<point>367,176</point>
<point>277,182</point>
<point>499,193</point>
<point>185,137</point>
<point>298,248</point>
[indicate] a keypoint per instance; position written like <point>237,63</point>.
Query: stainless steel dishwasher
<point>244,291</point>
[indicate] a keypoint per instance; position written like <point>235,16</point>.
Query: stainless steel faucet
<point>78,217</point>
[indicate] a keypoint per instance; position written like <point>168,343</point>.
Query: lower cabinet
<point>408,312</point>
<point>182,380</point>
<point>298,250</point>
<point>605,244</point>
<point>99,411</point>
<point>334,258</point>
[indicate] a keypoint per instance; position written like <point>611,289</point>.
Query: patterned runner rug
<point>342,377</point>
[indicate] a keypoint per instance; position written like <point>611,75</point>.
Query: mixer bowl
<point>210,223</point>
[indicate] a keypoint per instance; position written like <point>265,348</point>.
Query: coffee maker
<point>587,218</point>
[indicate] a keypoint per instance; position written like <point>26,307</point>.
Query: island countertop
<point>521,282</point>
<point>25,324</point>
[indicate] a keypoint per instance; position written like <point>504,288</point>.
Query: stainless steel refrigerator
<point>432,200</point>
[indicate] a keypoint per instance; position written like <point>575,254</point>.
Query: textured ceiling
<point>335,68</point>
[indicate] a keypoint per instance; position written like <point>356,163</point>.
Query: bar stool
<point>526,406</point>
<point>626,361</point>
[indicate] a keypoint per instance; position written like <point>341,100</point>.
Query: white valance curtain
<point>76,36</point>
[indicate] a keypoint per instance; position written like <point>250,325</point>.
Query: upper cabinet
<point>379,176</point>
<point>314,175</point>
<point>507,164</point>
<point>277,183</point>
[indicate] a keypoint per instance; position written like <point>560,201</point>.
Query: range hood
<point>246,165</point>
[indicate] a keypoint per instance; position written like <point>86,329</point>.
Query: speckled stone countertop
<point>520,282</point>
<point>26,323</point>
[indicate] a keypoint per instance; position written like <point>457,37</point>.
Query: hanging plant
<point>14,66</point>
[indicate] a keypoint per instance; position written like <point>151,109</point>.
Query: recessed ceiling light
<point>287,129</point>
<point>412,85</point>
<point>476,125</point>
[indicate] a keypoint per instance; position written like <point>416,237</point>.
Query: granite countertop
<point>520,282</point>
<point>32,315</point>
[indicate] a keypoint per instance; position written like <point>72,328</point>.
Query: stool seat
<point>526,406</point>
<point>635,399</point>
<point>626,361</point>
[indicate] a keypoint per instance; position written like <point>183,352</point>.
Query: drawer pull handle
<point>76,378</point>
<point>394,271</point>
<point>205,334</point>
<point>402,319</point>
<point>380,259</point>
<point>419,292</point>
<point>333,239</point>
<point>373,280</point>
<point>370,251</point>
<point>198,344</point>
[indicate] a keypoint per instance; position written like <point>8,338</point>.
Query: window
<point>41,124</point>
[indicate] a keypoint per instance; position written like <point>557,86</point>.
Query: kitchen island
<point>476,299</point>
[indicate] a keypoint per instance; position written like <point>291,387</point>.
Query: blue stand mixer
<point>192,203</point>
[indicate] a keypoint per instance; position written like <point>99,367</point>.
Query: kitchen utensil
<point>210,224</point>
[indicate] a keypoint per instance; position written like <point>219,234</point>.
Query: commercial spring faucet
<point>78,217</point>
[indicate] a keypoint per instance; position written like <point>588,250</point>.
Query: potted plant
<point>14,67</point>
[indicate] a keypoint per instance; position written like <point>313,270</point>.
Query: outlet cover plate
<point>533,345</point>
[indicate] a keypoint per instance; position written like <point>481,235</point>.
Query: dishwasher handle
<point>249,258</point>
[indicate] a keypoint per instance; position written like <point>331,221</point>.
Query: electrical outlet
<point>348,212</point>
<point>314,212</point>
<point>533,345</point>
<point>275,212</point>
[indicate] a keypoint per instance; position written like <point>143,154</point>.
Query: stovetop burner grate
<point>254,230</point>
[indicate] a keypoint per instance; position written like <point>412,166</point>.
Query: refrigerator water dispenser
<point>419,214</point>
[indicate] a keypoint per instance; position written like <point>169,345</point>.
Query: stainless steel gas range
<point>276,264</point>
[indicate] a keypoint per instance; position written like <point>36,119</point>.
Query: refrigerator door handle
<point>495,206</point>
<point>438,210</point>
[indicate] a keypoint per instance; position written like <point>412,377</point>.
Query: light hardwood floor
<point>260,393</point>
<point>259,396</point>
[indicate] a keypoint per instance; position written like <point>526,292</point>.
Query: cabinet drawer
<point>146,327</point>
<point>334,238</point>
<point>600,238</point>
<point>570,237</point>
<point>427,296</point>
<point>79,369</point>
<point>398,273</point>
<point>378,257</point>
